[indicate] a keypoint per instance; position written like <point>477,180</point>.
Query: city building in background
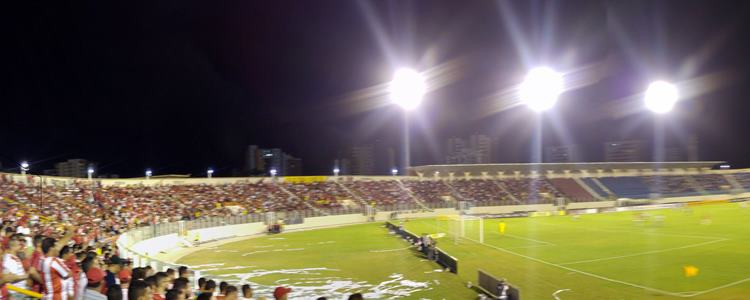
<point>477,149</point>
<point>260,161</point>
<point>562,154</point>
<point>624,151</point>
<point>377,158</point>
<point>72,168</point>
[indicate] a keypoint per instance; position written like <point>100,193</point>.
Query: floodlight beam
<point>541,88</point>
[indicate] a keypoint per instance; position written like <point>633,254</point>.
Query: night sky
<point>178,86</point>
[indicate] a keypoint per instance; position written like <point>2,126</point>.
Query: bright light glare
<point>148,172</point>
<point>273,172</point>
<point>661,97</point>
<point>90,170</point>
<point>540,89</point>
<point>407,88</point>
<point>24,165</point>
<point>210,171</point>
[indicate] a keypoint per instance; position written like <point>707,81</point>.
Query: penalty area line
<point>585,273</point>
<point>528,239</point>
<point>693,294</point>
<point>642,253</point>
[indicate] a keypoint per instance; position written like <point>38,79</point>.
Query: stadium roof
<point>477,169</point>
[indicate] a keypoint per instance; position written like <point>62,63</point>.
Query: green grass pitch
<point>602,256</point>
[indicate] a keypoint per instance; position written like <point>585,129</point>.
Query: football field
<point>702,252</point>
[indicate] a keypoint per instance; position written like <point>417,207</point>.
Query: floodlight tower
<point>407,90</point>
<point>539,91</point>
<point>660,97</point>
<point>24,167</point>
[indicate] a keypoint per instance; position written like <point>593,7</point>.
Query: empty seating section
<point>670,185</point>
<point>589,182</point>
<point>379,192</point>
<point>627,187</point>
<point>429,190</point>
<point>532,190</point>
<point>571,189</point>
<point>481,190</point>
<point>743,179</point>
<point>712,183</point>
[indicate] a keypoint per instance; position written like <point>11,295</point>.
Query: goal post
<point>459,227</point>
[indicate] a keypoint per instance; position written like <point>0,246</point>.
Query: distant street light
<point>661,97</point>
<point>210,173</point>
<point>273,172</point>
<point>148,174</point>
<point>336,171</point>
<point>394,171</point>
<point>541,88</point>
<point>90,172</point>
<point>24,167</point>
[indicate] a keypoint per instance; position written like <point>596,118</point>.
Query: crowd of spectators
<point>481,190</point>
<point>379,192</point>
<point>61,267</point>
<point>532,190</point>
<point>429,190</point>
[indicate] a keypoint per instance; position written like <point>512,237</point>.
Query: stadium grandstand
<point>93,214</point>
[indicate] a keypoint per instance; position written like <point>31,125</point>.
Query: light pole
<point>24,167</point>
<point>90,173</point>
<point>148,174</point>
<point>539,91</point>
<point>660,97</point>
<point>407,90</point>
<point>210,173</point>
<point>336,171</point>
<point>394,171</point>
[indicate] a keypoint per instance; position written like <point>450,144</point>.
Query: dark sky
<point>181,85</point>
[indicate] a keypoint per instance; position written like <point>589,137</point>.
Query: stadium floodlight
<point>210,172</point>
<point>24,167</point>
<point>407,88</point>
<point>394,171</point>
<point>273,172</point>
<point>336,171</point>
<point>541,88</point>
<point>149,173</point>
<point>661,97</point>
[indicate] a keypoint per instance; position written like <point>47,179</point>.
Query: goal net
<point>458,227</point>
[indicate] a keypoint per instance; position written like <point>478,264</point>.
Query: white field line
<point>531,246</point>
<point>528,239</point>
<point>584,273</point>
<point>642,253</point>
<point>640,232</point>
<point>557,292</point>
<point>693,294</point>
<point>390,250</point>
